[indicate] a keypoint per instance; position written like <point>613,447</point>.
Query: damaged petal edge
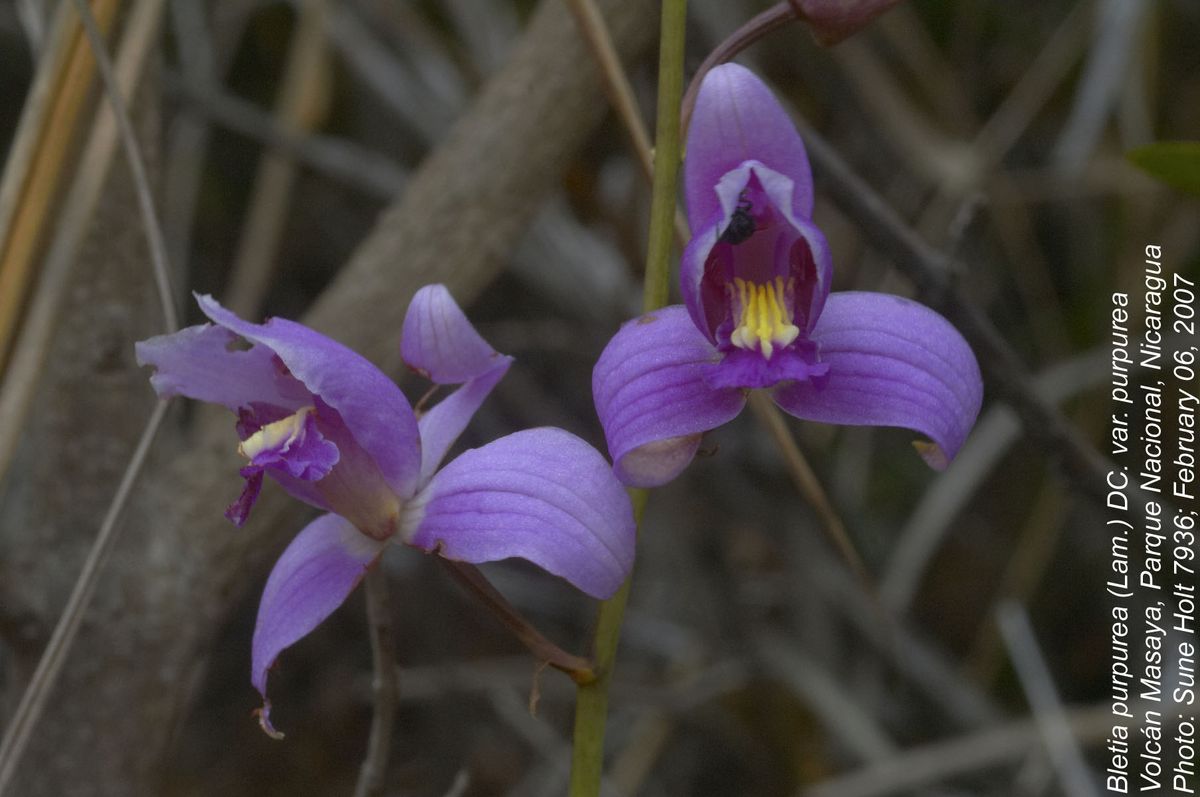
<point>264,721</point>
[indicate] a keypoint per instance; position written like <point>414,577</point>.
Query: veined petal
<point>442,425</point>
<point>439,341</point>
<point>313,577</point>
<point>652,397</point>
<point>197,362</point>
<point>441,344</point>
<point>737,119</point>
<point>372,406</point>
<point>892,362</point>
<point>543,495</point>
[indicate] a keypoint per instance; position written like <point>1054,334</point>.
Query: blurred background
<point>322,159</point>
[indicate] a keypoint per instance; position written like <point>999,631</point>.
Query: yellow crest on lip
<point>765,319</point>
<point>275,436</point>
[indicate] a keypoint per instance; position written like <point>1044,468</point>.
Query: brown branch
<point>469,577</point>
<point>809,486</point>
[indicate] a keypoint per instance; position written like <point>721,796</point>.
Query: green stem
<point>591,700</point>
<point>667,155</point>
<point>591,708</point>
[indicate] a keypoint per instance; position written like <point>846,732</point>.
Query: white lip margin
<point>778,187</point>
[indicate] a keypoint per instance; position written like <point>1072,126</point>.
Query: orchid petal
<point>892,362</point>
<point>440,343</point>
<point>652,397</point>
<point>313,577</point>
<point>299,489</point>
<point>736,119</point>
<point>237,512</point>
<point>543,495</point>
<point>197,362</point>
<point>442,425</point>
<point>373,408</point>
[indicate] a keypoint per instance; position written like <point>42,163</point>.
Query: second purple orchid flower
<point>338,434</point>
<point>758,313</point>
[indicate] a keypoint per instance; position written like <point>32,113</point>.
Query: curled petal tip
<point>312,578</point>
<point>264,721</point>
<point>655,463</point>
<point>652,398</point>
<point>932,453</point>
<point>440,343</point>
<point>892,362</point>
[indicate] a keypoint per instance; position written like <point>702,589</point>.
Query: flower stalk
<point>667,156</point>
<point>468,576</point>
<point>591,700</point>
<point>591,709</point>
<point>371,777</point>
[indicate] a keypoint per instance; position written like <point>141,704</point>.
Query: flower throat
<point>764,314</point>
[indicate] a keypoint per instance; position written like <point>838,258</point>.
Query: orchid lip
<point>767,293</point>
<point>276,436</point>
<point>756,238</point>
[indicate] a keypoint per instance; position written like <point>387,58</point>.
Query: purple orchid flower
<point>758,312</point>
<point>336,433</point>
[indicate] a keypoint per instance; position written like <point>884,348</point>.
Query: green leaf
<point>1176,163</point>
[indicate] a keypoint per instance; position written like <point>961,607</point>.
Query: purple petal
<point>892,362</point>
<point>373,408</point>
<point>311,579</point>
<point>737,119</point>
<point>294,445</point>
<point>439,341</point>
<point>542,495</point>
<point>239,510</point>
<point>291,447</point>
<point>652,397</point>
<point>252,418</point>
<point>197,362</point>
<point>746,368</point>
<point>442,425</point>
